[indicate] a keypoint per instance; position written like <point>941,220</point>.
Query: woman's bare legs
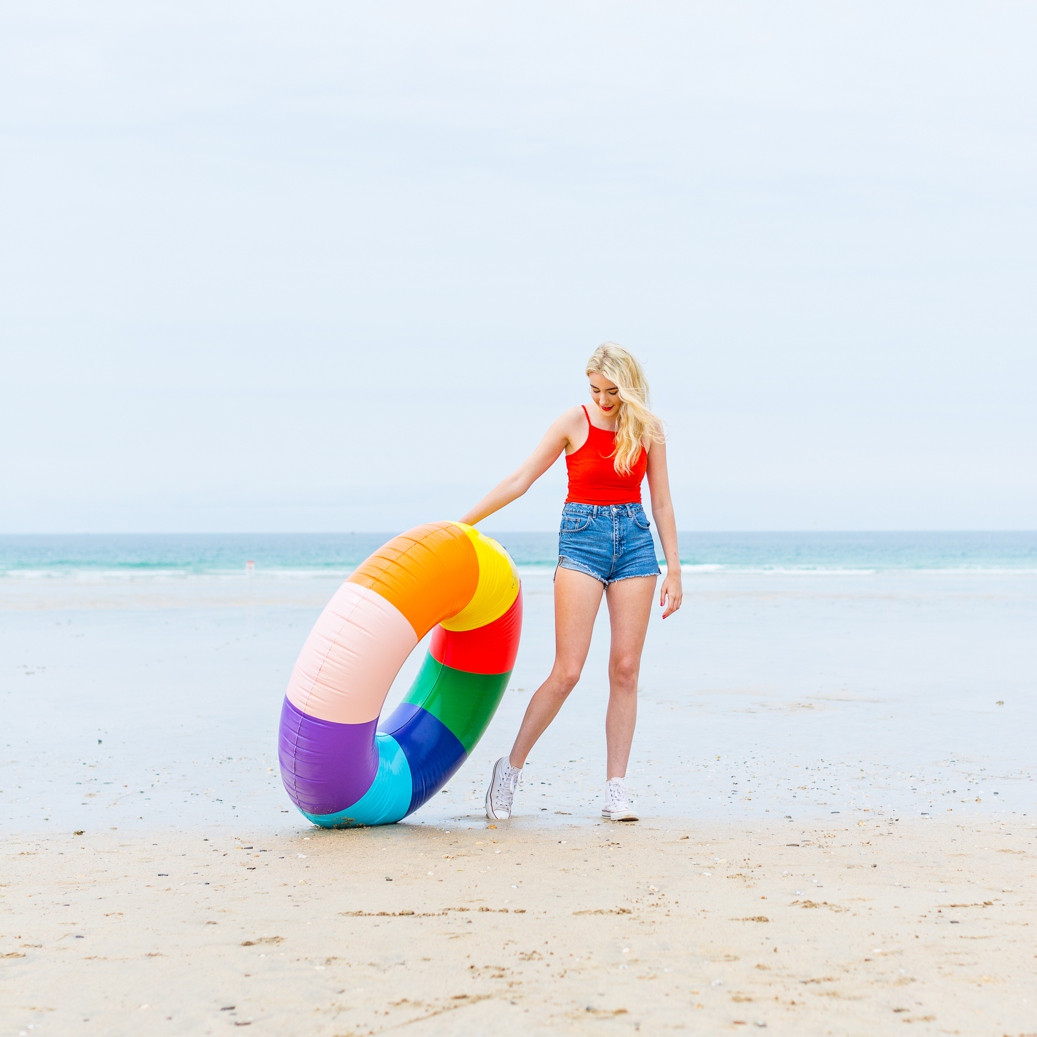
<point>577,599</point>
<point>630,606</point>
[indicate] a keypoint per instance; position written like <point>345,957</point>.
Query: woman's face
<point>605,395</point>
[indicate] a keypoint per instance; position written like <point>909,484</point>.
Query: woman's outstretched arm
<point>554,442</point>
<point>671,593</point>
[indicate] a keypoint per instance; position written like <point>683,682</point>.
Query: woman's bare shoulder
<point>656,434</point>
<point>570,420</point>
<point>568,427</point>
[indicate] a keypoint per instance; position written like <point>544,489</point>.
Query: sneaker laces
<point>618,793</point>
<point>507,782</point>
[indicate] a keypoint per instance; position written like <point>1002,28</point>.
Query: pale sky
<point>336,266</point>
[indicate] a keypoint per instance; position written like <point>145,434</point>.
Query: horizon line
<point>503,532</point>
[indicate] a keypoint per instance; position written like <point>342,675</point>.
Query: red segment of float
<point>490,649</point>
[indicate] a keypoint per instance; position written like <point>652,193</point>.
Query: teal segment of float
<point>386,801</point>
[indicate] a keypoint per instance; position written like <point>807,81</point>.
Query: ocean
<point>327,554</point>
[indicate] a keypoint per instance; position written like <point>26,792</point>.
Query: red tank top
<point>593,478</point>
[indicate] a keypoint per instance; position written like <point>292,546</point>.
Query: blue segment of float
<point>386,801</point>
<point>433,751</point>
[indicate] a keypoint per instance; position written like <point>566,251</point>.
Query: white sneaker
<point>617,802</point>
<point>501,793</point>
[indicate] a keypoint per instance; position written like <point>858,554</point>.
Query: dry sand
<point>522,928</point>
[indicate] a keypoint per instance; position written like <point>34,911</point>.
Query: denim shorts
<point>607,541</point>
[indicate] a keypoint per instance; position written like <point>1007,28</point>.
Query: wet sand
<point>155,702</point>
<point>715,928</point>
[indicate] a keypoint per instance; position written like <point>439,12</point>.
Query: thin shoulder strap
<point>586,414</point>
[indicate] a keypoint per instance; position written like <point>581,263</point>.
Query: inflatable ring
<point>339,768</point>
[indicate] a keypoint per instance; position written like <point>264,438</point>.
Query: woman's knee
<point>623,673</point>
<point>565,678</point>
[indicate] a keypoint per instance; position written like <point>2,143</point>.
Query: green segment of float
<point>463,702</point>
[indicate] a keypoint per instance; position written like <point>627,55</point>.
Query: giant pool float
<point>342,769</point>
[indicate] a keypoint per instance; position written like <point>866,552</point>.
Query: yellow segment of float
<point>496,590</point>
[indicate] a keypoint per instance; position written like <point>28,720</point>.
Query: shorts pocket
<point>641,519</point>
<point>574,523</point>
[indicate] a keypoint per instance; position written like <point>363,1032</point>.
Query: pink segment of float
<point>351,657</point>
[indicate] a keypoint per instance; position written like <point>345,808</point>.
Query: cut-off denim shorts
<point>607,541</point>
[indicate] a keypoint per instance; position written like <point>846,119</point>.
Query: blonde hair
<point>636,422</point>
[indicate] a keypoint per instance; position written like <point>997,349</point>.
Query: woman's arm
<point>554,442</point>
<point>671,593</point>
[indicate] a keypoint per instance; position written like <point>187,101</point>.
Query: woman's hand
<point>671,593</point>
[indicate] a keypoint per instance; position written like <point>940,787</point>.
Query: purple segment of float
<point>327,767</point>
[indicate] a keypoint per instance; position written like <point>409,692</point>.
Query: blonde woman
<point>604,547</point>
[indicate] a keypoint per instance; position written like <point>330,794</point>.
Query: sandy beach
<point>837,837</point>
<point>594,928</point>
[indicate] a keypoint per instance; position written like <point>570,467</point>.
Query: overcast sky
<point>333,266</point>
